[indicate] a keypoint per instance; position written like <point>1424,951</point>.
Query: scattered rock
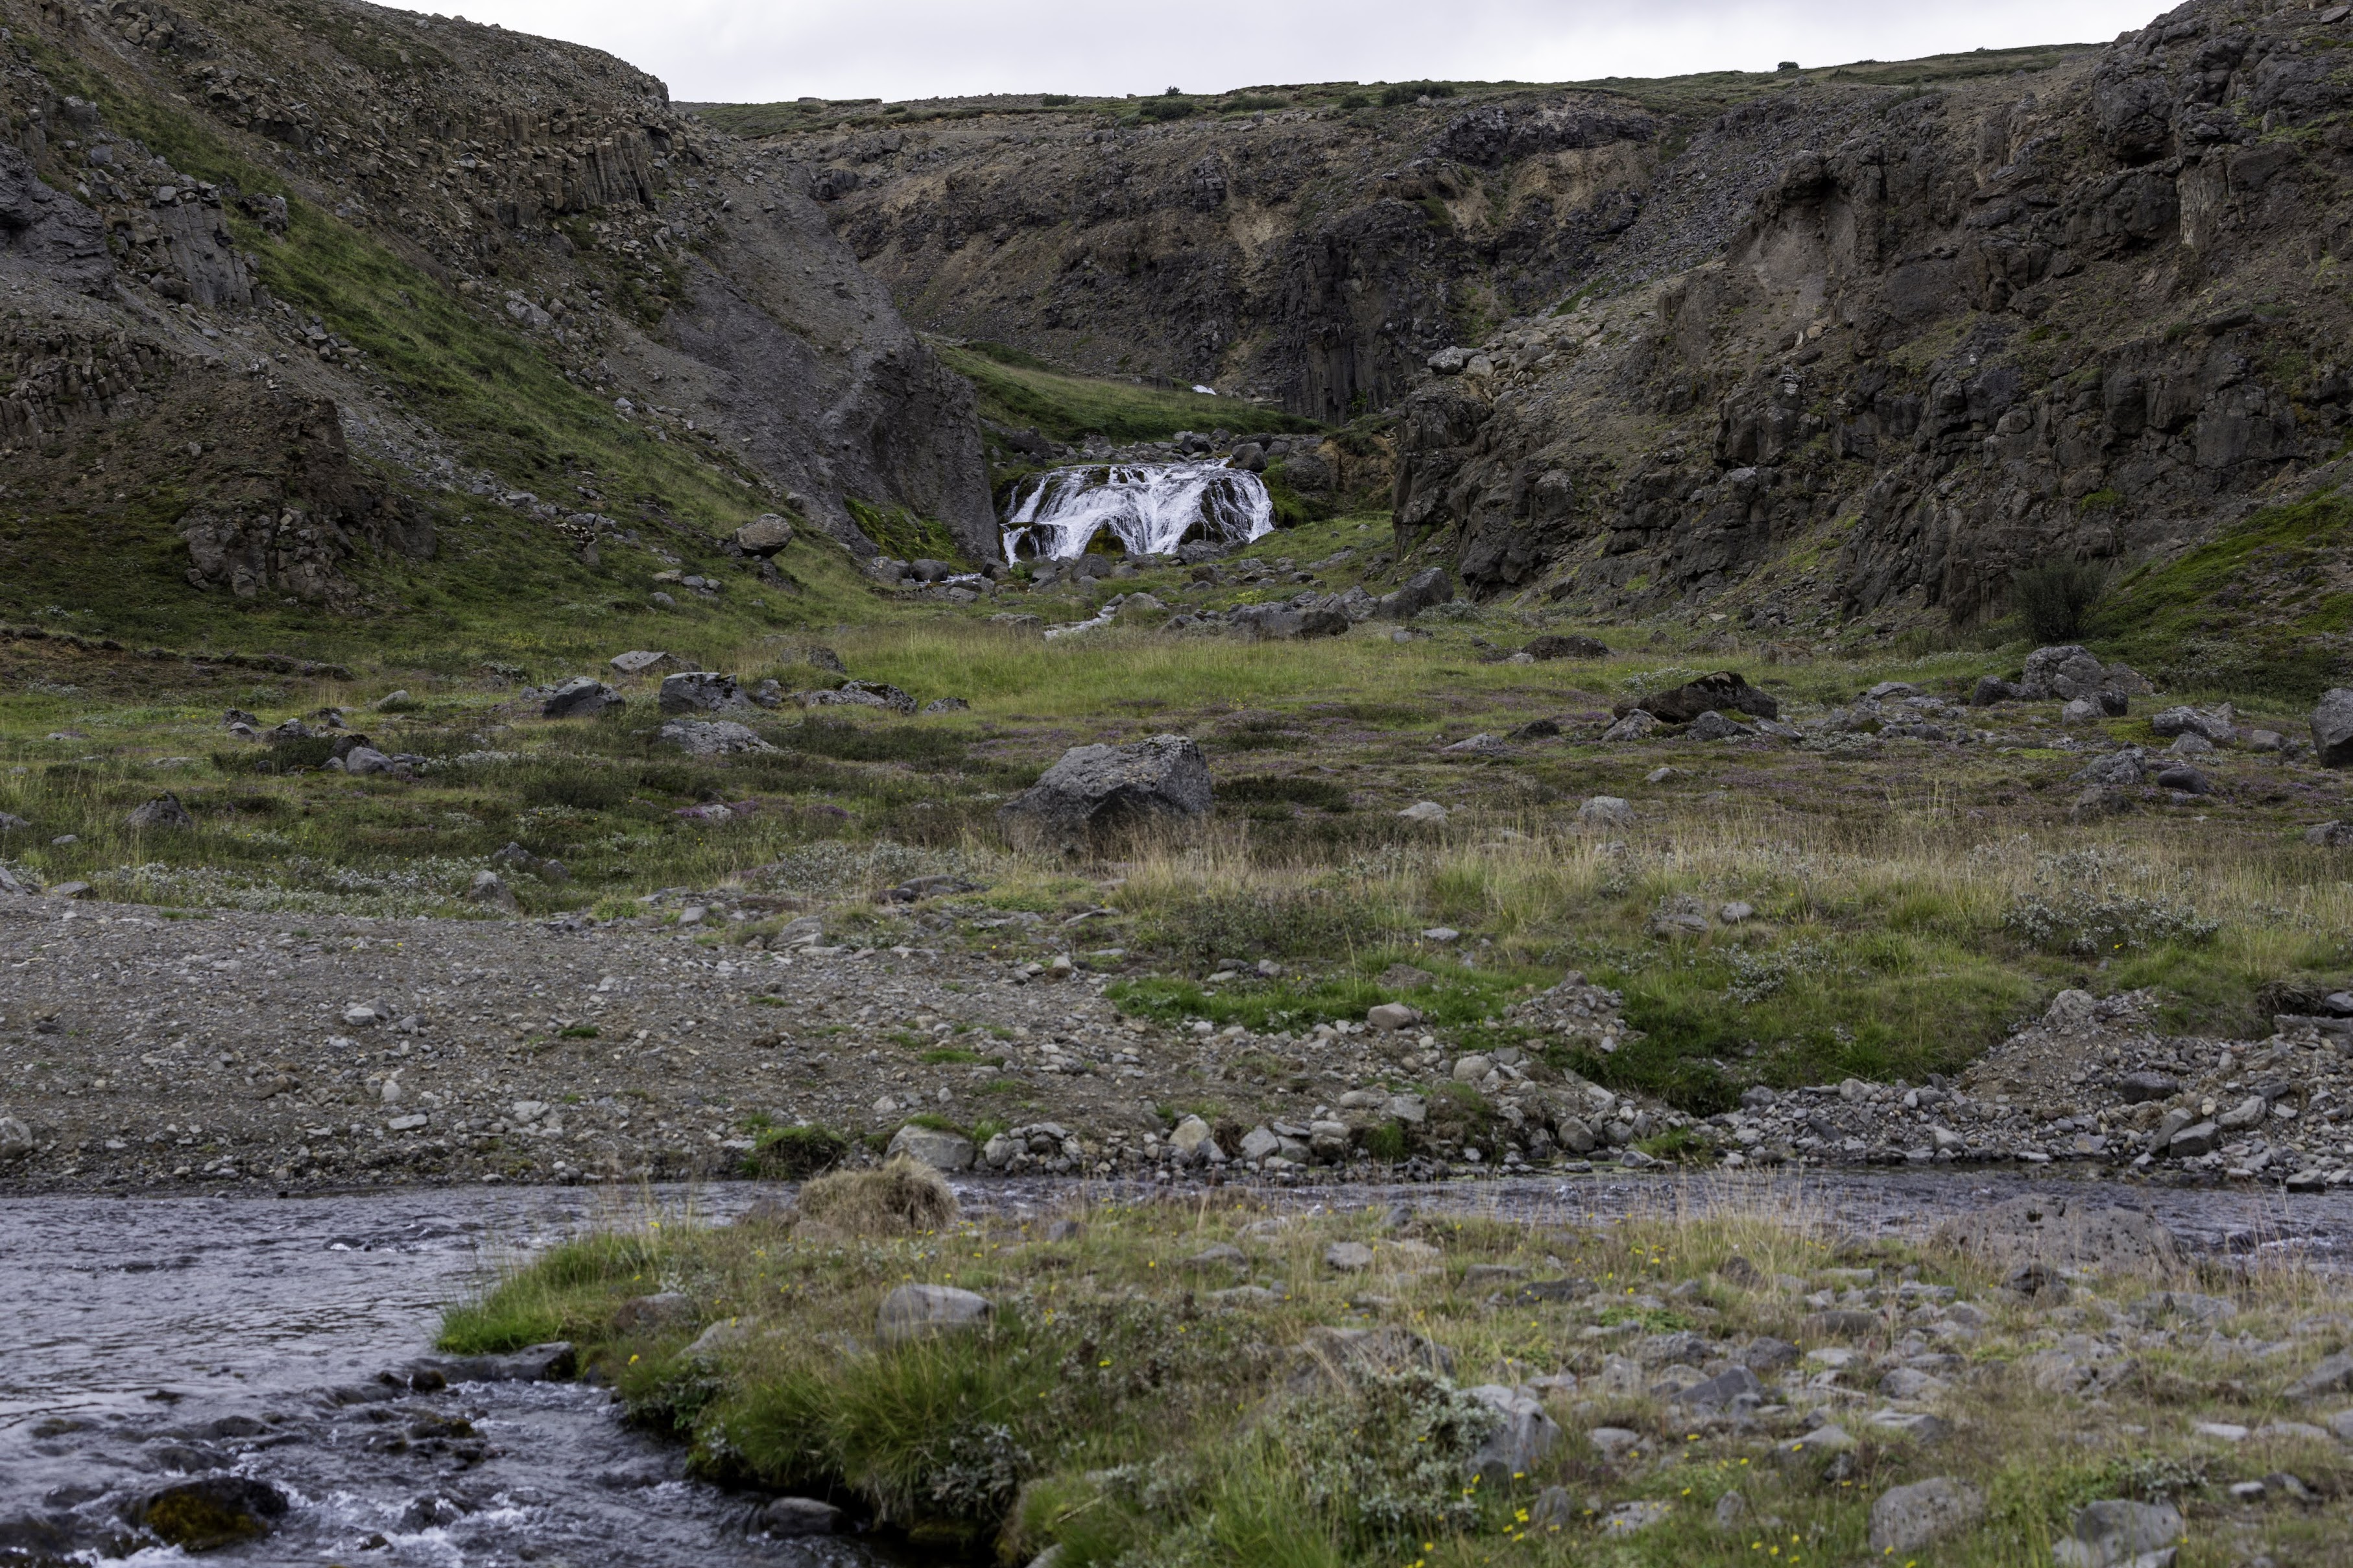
<point>1424,811</point>
<point>701,691</point>
<point>1418,593</point>
<point>1569,645</point>
<point>1638,725</point>
<point>2332,728</point>
<point>489,887</point>
<point>16,1140</point>
<point>2116,1532</point>
<point>583,698</point>
<point>165,812</point>
<point>711,737</point>
<point>940,1149</point>
<point>794,1516</point>
<point>1606,811</point>
<point>1523,1434</point>
<point>638,661</point>
<point>947,705</point>
<point>1392,1016</point>
<point>1348,1257</point>
<point>1906,1519</point>
<point>920,1312</point>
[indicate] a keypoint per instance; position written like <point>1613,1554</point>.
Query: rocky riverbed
<point>237,1049</point>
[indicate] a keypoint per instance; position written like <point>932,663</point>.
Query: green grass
<point>1066,408</point>
<point>1112,1409</point>
<point>2211,619</point>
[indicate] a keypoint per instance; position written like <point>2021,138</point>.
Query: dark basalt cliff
<point>2089,314</point>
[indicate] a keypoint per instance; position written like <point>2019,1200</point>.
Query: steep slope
<point>1305,245</point>
<point>294,287</point>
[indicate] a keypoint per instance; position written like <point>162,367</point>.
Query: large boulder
<point>941,1151</point>
<point>764,535</point>
<point>2332,728</point>
<point>1272,623</point>
<point>2058,674</point>
<point>583,698</point>
<point>1418,593</point>
<point>1725,691</point>
<point>1524,1434</point>
<point>1097,790</point>
<point>164,813</point>
<point>701,691</point>
<point>2060,1231</point>
<point>921,1311</point>
<point>1906,1518</point>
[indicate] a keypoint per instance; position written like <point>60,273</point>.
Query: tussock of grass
<point>899,1198</point>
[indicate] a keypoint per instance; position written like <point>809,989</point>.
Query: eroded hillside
<point>292,287</point>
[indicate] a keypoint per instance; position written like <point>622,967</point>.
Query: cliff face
<point>448,265</point>
<point>2087,314</point>
<point>1303,256</point>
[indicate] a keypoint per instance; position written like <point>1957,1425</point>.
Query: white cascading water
<point>1150,507</point>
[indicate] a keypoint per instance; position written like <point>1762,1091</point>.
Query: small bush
<point>1166,109</point>
<point>2055,600</point>
<point>1055,99</point>
<point>2091,902</point>
<point>1398,92</point>
<point>901,1199</point>
<point>795,1154</point>
<point>1355,101</point>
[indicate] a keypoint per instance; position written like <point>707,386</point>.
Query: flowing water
<point>1150,507</point>
<point>152,1339</point>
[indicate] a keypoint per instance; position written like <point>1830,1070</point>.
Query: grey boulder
<point>941,1151</point>
<point>792,1516</point>
<point>2058,674</point>
<point>2116,1530</point>
<point>1524,1434</point>
<point>1097,790</point>
<point>1418,593</point>
<point>701,691</point>
<point>1906,1518</point>
<point>164,812</point>
<point>2332,728</point>
<point>2217,727</point>
<point>711,738</point>
<point>583,698</point>
<point>764,535</point>
<point>922,1311</point>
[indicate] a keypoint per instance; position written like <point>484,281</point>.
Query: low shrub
<point>795,1154</point>
<point>2055,599</point>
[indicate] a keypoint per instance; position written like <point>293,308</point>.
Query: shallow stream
<point>154,1338</point>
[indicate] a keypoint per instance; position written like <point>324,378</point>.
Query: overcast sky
<point>764,50</point>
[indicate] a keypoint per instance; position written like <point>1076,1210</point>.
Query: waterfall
<point>1151,508</point>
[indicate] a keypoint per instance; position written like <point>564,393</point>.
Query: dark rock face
<point>1116,250</point>
<point>50,231</point>
<point>1725,691</point>
<point>1095,791</point>
<point>1682,441</point>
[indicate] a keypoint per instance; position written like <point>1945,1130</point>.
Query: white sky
<point>766,50</point>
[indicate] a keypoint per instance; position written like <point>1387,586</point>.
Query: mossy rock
<point>216,1511</point>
